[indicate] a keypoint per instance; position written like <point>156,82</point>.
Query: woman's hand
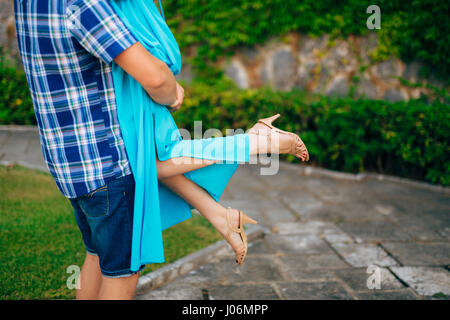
<point>180,96</point>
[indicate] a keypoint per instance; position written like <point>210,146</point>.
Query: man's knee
<point>119,288</point>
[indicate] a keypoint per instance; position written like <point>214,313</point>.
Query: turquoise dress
<point>149,131</point>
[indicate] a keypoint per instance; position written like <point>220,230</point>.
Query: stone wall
<point>318,65</point>
<point>324,66</point>
<point>7,28</point>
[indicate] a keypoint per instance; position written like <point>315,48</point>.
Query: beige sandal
<point>299,152</point>
<point>243,219</point>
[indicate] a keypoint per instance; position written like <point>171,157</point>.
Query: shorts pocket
<point>96,203</point>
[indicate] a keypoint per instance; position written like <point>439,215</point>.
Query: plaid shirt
<point>66,48</point>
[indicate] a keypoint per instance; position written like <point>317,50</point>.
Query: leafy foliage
<point>409,139</point>
<point>15,100</point>
<point>413,30</point>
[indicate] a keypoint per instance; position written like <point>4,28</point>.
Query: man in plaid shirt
<point>67,47</point>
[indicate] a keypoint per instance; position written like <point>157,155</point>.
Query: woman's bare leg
<point>259,144</point>
<point>176,166</point>
<point>209,208</point>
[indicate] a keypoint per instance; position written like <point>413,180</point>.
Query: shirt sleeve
<point>98,28</point>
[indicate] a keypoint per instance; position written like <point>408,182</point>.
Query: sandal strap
<point>230,226</point>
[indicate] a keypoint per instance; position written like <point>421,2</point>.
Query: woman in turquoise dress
<point>174,175</point>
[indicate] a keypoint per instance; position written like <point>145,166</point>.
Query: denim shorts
<point>105,219</point>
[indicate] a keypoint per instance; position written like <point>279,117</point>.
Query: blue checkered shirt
<point>67,47</point>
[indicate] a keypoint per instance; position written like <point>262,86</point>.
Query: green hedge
<point>408,139</point>
<point>15,100</point>
<point>413,30</point>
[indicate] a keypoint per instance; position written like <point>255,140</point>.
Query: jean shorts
<point>105,219</point>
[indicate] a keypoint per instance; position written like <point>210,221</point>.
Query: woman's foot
<point>230,225</point>
<point>276,140</point>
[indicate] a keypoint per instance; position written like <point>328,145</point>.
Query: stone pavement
<point>330,235</point>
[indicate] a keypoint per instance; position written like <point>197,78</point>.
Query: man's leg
<point>90,279</point>
<point>105,219</point>
<point>118,288</point>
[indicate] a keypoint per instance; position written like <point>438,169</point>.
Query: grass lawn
<point>39,237</point>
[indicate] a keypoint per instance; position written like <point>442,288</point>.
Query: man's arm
<point>152,73</point>
<point>97,27</point>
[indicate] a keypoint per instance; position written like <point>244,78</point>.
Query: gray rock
<point>309,44</point>
<point>236,71</point>
<point>412,72</point>
<point>394,95</point>
<point>338,87</point>
<point>265,75</point>
<point>341,58</point>
<point>284,67</point>
<point>305,73</point>
<point>426,281</point>
<point>7,26</point>
<point>186,73</point>
<point>250,54</point>
<point>367,45</point>
<point>365,88</point>
<point>389,69</point>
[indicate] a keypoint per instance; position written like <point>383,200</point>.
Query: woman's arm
<point>152,73</point>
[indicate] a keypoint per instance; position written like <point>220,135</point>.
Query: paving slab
<point>353,211</point>
<point>173,291</point>
<point>330,290</point>
<point>311,227</point>
<point>357,279</point>
<point>374,231</point>
<point>312,262</point>
<point>255,269</point>
<point>204,274</point>
<point>243,292</point>
<point>364,255</point>
<point>297,244</point>
<point>258,247</point>
<point>426,281</point>
<point>404,294</point>
<point>420,254</point>
<point>311,275</point>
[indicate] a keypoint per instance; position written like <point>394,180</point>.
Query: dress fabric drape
<point>149,131</point>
